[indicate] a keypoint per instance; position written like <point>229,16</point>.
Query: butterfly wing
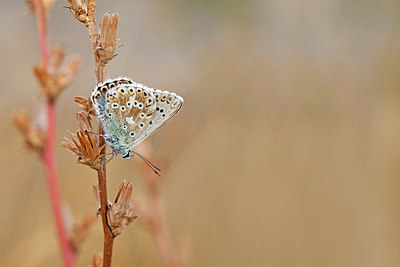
<point>99,100</point>
<point>131,112</point>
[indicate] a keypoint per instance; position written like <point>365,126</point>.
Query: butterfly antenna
<point>148,163</point>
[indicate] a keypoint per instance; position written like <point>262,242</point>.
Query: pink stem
<point>48,153</point>
<point>54,191</point>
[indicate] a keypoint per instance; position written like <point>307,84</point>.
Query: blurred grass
<point>285,153</point>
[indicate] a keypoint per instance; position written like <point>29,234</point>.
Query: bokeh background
<point>286,152</point>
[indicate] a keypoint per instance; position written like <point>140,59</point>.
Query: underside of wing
<point>131,109</point>
<point>166,106</point>
<point>98,97</point>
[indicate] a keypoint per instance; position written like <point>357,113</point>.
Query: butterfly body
<point>129,112</point>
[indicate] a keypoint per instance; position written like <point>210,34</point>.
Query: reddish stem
<point>41,21</point>
<point>54,191</point>
<point>48,153</point>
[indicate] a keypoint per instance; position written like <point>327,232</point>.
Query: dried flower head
<point>79,9</point>
<point>107,43</point>
<point>84,143</point>
<point>33,135</point>
<point>54,78</point>
<point>120,214</point>
<point>84,104</point>
<point>46,4</point>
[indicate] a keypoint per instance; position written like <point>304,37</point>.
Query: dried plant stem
<point>156,217</point>
<point>101,173</point>
<point>108,236</point>
<point>48,155</point>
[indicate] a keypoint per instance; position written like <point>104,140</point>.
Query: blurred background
<point>286,152</point>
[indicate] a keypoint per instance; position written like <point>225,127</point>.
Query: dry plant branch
<point>52,79</point>
<point>103,46</point>
<point>48,152</point>
<point>115,216</point>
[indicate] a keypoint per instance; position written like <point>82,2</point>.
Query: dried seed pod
<point>120,214</point>
<point>84,143</point>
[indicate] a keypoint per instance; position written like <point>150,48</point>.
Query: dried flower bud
<point>83,121</point>
<point>79,9</point>
<point>84,104</point>
<point>106,45</point>
<point>84,143</point>
<point>120,214</point>
<point>97,260</point>
<point>53,79</point>
<point>33,135</point>
<point>46,4</point>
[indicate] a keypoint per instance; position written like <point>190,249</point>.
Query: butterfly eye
<point>115,105</point>
<point>109,115</point>
<point>163,115</point>
<point>140,105</point>
<point>145,94</point>
<point>161,110</point>
<point>122,108</point>
<point>142,115</point>
<point>104,89</point>
<point>139,91</point>
<point>128,103</point>
<point>125,127</point>
<point>141,125</point>
<point>132,134</point>
<point>157,108</point>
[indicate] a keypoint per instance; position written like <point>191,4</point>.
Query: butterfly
<point>129,112</point>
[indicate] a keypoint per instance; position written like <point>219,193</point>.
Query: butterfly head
<point>117,147</point>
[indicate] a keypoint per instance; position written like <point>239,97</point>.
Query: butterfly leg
<point>113,156</point>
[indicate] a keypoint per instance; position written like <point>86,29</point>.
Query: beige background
<point>286,152</point>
